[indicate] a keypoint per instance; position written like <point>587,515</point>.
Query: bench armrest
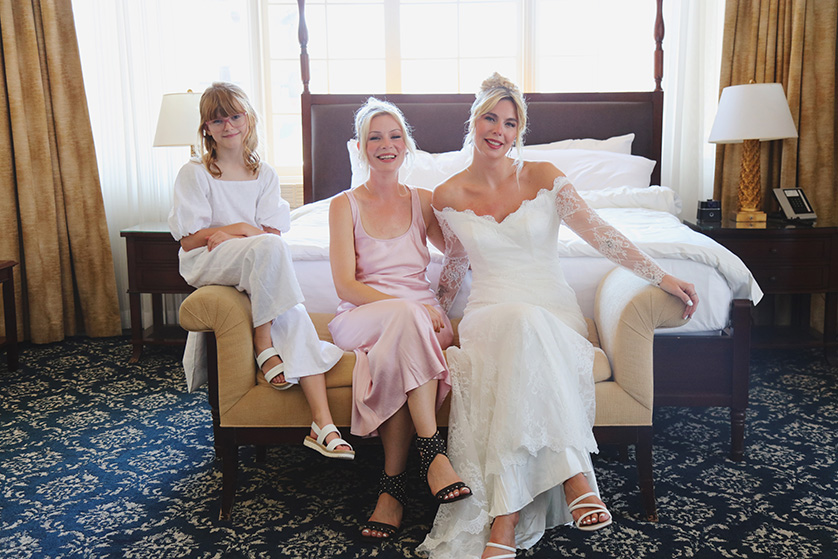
<point>627,311</point>
<point>226,312</point>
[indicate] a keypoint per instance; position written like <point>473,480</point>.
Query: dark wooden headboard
<point>439,120</point>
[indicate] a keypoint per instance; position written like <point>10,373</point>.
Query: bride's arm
<point>454,266</point>
<point>612,244</point>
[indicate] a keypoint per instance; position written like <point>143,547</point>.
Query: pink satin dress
<point>395,345</point>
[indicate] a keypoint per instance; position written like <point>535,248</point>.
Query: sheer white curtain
<point>132,53</point>
<point>692,60</point>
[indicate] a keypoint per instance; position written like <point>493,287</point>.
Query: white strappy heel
<point>595,509</point>
<point>503,547</point>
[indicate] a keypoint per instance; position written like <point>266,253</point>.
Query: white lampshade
<point>756,111</point>
<point>179,120</point>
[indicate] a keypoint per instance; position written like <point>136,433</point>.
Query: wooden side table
<point>9,341</point>
<point>152,268</point>
<point>787,258</point>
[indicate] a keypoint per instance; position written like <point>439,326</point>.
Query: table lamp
<point>750,114</point>
<point>179,119</point>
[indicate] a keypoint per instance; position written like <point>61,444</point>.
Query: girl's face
<point>385,144</point>
<point>228,132</point>
<point>495,132</point>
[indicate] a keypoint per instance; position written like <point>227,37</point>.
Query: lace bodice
<point>525,242</point>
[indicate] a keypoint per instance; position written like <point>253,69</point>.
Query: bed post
<point>659,31</point>
<point>305,99</point>
<point>657,94</point>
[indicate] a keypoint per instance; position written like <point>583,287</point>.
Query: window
<point>450,46</point>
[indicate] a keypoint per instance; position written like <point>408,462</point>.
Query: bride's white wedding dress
<point>522,407</point>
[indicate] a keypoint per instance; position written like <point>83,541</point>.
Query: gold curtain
<point>52,216</point>
<point>792,42</point>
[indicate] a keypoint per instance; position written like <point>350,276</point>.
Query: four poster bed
<point>610,146</point>
<point>704,363</point>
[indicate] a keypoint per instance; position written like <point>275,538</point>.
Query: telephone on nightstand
<point>794,204</point>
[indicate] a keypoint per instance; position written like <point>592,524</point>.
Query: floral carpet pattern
<point>100,458</point>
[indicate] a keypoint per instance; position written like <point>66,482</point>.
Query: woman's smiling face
<point>495,131</point>
<point>385,145</point>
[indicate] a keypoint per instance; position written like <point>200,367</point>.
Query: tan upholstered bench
<point>246,410</point>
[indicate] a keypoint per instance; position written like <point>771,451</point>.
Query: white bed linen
<point>718,274</point>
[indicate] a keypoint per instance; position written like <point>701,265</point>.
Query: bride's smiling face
<point>495,131</point>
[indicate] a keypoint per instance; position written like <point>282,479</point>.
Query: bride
<point>522,409</point>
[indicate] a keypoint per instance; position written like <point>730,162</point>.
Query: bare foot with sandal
<point>268,359</point>
<point>502,538</point>
<point>386,519</point>
<point>588,510</point>
<point>444,482</point>
<point>272,368</point>
<point>441,475</point>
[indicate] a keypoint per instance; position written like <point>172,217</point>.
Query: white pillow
<point>660,198</point>
<point>617,144</point>
<point>427,171</point>
<point>359,174</point>
<point>587,169</point>
<point>596,170</point>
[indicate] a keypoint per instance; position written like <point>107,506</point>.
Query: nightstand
<point>153,268</point>
<point>787,258</point>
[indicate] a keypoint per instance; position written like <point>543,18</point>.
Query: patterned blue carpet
<point>99,458</point>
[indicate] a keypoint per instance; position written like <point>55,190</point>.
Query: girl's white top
<point>202,201</point>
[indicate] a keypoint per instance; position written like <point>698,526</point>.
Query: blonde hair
<point>363,120</point>
<point>493,90</point>
<point>221,100</point>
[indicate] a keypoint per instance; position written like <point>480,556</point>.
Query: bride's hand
<point>683,290</point>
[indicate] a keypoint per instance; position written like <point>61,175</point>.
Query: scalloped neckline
<point>524,203</point>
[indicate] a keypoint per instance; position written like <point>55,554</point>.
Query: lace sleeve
<point>594,230</point>
<point>454,266</point>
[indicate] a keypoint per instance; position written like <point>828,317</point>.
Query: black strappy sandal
<point>393,486</point>
<point>429,448</point>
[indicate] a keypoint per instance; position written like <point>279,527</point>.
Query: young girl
<point>228,216</point>
<point>390,317</point>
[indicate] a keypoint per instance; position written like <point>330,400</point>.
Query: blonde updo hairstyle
<point>221,100</point>
<point>493,90</point>
<point>363,120</point>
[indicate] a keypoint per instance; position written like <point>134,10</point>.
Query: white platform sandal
<point>328,450</point>
<point>595,509</point>
<point>503,547</point>
<point>274,372</point>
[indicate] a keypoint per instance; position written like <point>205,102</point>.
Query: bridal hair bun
<point>496,81</point>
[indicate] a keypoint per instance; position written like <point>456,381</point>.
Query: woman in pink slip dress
<point>390,317</point>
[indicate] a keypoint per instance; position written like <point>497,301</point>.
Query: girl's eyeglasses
<point>217,125</point>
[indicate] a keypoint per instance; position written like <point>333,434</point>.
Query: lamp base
<point>751,225</point>
<point>750,216</point>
